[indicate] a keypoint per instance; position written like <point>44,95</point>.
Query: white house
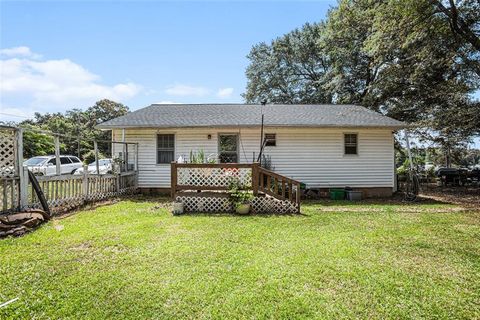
<point>323,146</point>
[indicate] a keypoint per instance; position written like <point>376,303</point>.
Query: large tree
<point>399,57</point>
<point>291,69</point>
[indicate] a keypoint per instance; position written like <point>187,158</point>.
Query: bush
<point>237,192</point>
<point>89,157</point>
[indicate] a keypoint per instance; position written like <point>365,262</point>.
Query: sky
<point>61,55</point>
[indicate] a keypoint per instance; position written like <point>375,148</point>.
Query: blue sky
<point>59,55</point>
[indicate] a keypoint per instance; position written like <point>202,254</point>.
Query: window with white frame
<point>165,148</point>
<point>351,143</point>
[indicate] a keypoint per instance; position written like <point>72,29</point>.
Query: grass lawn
<point>133,259</point>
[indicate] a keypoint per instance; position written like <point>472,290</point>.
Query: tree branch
<point>457,23</point>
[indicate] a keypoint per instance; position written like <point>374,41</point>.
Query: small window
<point>52,161</point>
<point>65,160</point>
<point>350,143</point>
<point>270,139</point>
<point>165,148</point>
<point>74,159</point>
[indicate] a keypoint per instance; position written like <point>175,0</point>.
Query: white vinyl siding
<point>314,156</point>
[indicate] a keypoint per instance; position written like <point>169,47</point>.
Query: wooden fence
<point>63,192</point>
<point>9,193</point>
<point>66,192</point>
<point>203,187</point>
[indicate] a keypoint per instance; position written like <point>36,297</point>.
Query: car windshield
<point>35,161</point>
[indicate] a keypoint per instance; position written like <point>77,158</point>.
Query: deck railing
<point>279,186</point>
<point>193,178</point>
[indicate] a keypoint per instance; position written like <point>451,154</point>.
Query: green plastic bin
<point>337,194</point>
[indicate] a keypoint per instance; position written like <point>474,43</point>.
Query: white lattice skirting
<point>215,177</point>
<point>219,204</point>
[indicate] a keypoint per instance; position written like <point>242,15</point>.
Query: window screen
<point>351,144</point>
<point>228,148</point>
<point>165,148</point>
<point>270,139</point>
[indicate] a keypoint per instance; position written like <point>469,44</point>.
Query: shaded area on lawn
<point>133,259</point>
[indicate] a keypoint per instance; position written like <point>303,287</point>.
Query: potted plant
<point>239,196</point>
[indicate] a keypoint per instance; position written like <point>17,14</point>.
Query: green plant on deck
<point>238,192</point>
<point>266,162</point>
<point>199,157</point>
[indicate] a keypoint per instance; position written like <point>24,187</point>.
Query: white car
<point>104,166</point>
<point>46,165</point>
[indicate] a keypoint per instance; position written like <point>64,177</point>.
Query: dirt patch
<point>462,198</point>
<point>466,197</point>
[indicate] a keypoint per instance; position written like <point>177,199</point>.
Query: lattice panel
<point>205,204</point>
<point>265,204</point>
<point>214,177</point>
<point>269,204</point>
<point>7,153</point>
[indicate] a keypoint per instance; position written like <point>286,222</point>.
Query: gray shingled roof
<point>224,115</point>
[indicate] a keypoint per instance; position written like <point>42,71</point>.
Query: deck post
<point>173,179</point>
<point>255,178</point>
<point>298,196</point>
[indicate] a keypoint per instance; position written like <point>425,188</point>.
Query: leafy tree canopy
<point>77,124</point>
<point>414,60</point>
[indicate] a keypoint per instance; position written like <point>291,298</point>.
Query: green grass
<point>133,260</point>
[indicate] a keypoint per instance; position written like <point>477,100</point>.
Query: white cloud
<point>52,83</point>
<point>15,114</point>
<point>19,52</point>
<point>185,90</point>
<point>224,92</point>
